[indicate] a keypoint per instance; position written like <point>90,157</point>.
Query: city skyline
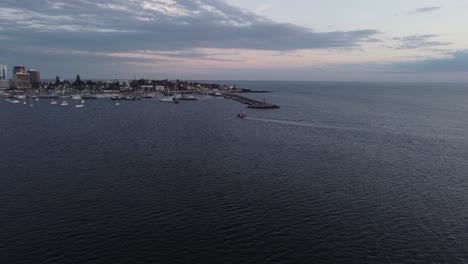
<point>361,40</point>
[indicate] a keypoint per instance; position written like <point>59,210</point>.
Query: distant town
<point>30,80</point>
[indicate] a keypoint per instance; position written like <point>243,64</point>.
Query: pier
<point>251,102</point>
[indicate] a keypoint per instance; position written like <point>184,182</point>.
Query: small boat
<point>76,97</point>
<point>37,99</point>
<point>117,103</point>
<point>64,103</point>
<point>79,106</point>
<point>166,99</point>
<point>189,98</point>
<point>241,115</point>
<point>53,103</point>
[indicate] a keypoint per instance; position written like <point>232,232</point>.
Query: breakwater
<point>251,102</point>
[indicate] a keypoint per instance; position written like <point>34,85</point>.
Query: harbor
<point>136,90</point>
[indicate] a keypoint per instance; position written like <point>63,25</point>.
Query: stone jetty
<point>250,102</point>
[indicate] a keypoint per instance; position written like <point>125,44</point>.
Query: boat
<point>79,101</point>
<point>176,96</point>
<point>150,95</point>
<point>189,98</point>
<point>241,115</point>
<point>64,103</point>
<point>53,103</point>
<point>117,103</point>
<point>217,94</point>
<point>166,99</point>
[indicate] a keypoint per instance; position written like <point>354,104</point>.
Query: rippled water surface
<point>342,173</point>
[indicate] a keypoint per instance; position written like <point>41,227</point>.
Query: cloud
<point>456,62</point>
<point>424,10</point>
<point>419,42</point>
<point>167,25</point>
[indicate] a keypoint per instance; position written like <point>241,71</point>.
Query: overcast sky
<point>375,40</point>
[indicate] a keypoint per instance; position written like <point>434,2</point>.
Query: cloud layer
<point>424,10</point>
<point>163,25</point>
<point>419,42</point>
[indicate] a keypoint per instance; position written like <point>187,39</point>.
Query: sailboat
<point>78,99</point>
<point>176,96</point>
<point>64,103</point>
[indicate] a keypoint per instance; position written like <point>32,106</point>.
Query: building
<point>35,76</point>
<point>3,72</point>
<point>21,79</point>
<point>4,83</point>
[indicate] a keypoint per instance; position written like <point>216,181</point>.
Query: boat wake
<point>305,124</point>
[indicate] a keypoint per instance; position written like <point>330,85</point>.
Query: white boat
<point>21,97</point>
<point>53,103</point>
<point>79,102</point>
<point>13,101</point>
<point>37,99</point>
<point>117,103</point>
<point>64,103</point>
<point>166,99</point>
<point>190,97</point>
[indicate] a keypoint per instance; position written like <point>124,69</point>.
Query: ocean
<point>341,173</point>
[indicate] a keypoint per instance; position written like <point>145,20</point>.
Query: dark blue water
<point>342,173</point>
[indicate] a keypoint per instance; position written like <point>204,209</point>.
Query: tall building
<point>3,72</point>
<point>4,83</point>
<point>21,79</point>
<point>35,76</point>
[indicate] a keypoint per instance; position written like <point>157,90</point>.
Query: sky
<point>333,40</point>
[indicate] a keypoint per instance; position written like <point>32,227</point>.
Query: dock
<point>251,102</point>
